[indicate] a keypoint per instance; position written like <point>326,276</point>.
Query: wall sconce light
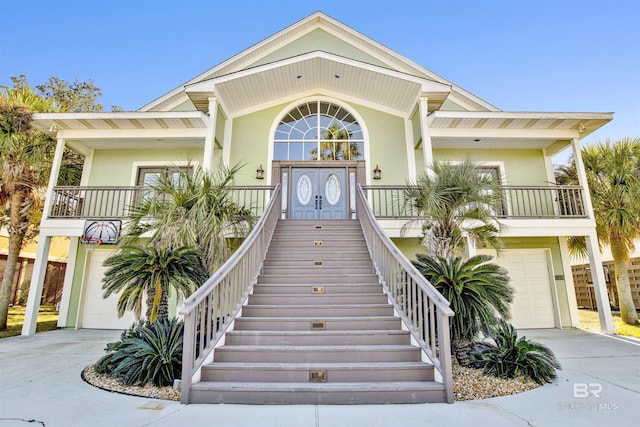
<point>260,173</point>
<point>377,172</point>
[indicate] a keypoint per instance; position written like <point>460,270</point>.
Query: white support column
<point>68,282</point>
<point>35,289</point>
<point>226,145</point>
<point>599,284</point>
<point>53,177</point>
<point>411,151</point>
<point>470,246</point>
<point>582,176</point>
<point>210,138</point>
<point>574,316</point>
<point>427,149</point>
<point>86,169</point>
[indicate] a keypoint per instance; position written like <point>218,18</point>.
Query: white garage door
<point>533,305</point>
<point>97,312</point>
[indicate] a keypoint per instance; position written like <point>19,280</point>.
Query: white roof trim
<point>321,20</point>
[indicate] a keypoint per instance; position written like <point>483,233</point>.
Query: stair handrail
<point>211,309</point>
<point>423,310</point>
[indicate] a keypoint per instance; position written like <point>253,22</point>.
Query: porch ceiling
<point>518,130</point>
<point>248,90</point>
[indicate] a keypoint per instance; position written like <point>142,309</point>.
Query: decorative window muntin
<point>318,130</point>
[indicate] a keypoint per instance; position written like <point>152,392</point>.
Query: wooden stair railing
<point>421,307</point>
<point>210,311</point>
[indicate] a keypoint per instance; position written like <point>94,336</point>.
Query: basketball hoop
<point>90,243</point>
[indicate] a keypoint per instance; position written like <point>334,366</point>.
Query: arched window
<point>318,130</point>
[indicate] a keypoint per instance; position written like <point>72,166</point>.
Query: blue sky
<point>519,55</point>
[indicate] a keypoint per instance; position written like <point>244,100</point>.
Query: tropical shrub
<point>136,270</point>
<point>146,353</point>
<point>513,356</point>
<point>479,291</point>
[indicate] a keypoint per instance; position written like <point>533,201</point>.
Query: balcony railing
<point>553,201</point>
<point>115,202</point>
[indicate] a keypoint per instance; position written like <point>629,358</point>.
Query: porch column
<point>42,253</point>
<point>35,289</point>
<point>470,246</point>
<point>568,281</point>
<point>53,178</point>
<point>427,149</point>
<point>582,177</point>
<point>599,284</point>
<point>68,281</point>
<point>210,138</point>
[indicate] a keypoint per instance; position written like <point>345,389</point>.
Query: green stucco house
<point>271,107</point>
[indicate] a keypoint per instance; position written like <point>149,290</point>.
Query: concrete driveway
<point>40,385</point>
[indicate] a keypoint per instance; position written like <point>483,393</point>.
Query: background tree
<point>336,145</point>
<point>26,155</point>
<point>613,176</point>
<point>455,201</point>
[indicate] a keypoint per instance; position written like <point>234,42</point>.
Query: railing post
<point>444,342</point>
<point>188,345</point>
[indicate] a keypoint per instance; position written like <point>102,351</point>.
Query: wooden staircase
<point>317,329</point>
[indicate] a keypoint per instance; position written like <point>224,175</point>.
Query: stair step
<point>326,278</point>
<point>304,323</point>
<point>329,288</point>
<point>322,354</point>
<point>356,337</point>
<point>316,298</point>
<point>320,262</point>
<point>277,258</point>
<point>333,372</point>
<point>321,271</point>
<point>269,393</point>
<point>330,310</point>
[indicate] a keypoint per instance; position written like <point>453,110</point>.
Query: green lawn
<point>47,320</point>
<point>589,320</point>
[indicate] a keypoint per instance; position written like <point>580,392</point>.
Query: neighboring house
<point>270,107</point>
<point>57,264</point>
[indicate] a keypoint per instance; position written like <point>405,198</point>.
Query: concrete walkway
<point>40,384</point>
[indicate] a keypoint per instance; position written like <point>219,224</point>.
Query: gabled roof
<point>319,20</point>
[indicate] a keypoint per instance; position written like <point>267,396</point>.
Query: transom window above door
<point>318,130</point>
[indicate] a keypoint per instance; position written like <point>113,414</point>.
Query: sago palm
<point>197,210</point>
<point>137,271</point>
<point>513,356</point>
<point>479,291</point>
<point>454,201</point>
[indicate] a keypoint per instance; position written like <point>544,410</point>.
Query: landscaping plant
<point>146,353</point>
<point>512,356</point>
<point>479,293</point>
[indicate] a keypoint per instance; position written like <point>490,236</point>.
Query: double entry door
<point>318,193</point>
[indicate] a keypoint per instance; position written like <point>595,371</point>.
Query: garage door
<point>97,312</point>
<point>533,305</point>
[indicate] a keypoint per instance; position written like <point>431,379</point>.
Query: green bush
<point>513,356</point>
<point>146,353</point>
<point>479,291</point>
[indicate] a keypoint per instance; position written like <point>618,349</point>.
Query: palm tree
<point>479,293</point>
<point>613,176</point>
<point>454,201</point>
<point>336,145</point>
<point>197,210</point>
<point>25,157</point>
<point>137,270</point>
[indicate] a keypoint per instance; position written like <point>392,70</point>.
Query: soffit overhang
<point>127,130</point>
<point>249,90</point>
<point>511,130</point>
